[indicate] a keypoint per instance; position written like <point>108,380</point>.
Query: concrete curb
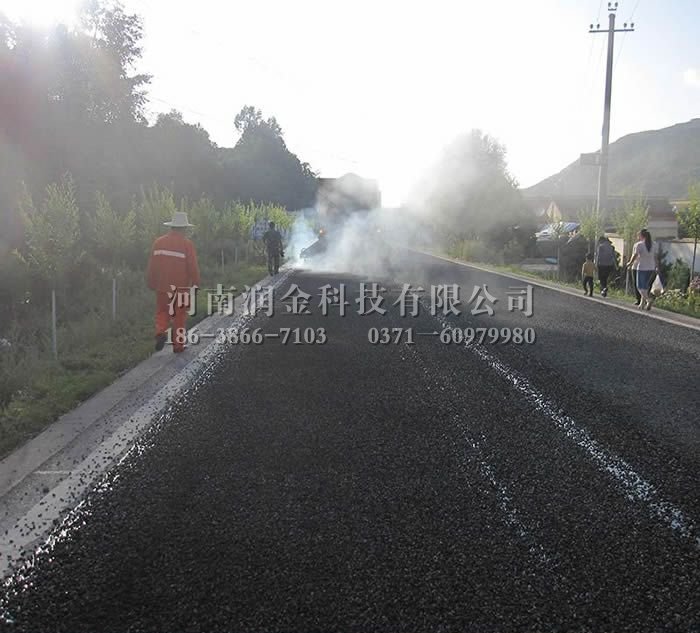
<point>23,529</point>
<point>668,317</point>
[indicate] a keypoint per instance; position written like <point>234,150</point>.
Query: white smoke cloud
<point>301,236</point>
<point>466,188</point>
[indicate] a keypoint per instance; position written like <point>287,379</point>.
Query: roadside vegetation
<point>682,291</point>
<point>104,309</point>
<point>86,182</point>
<point>678,297</point>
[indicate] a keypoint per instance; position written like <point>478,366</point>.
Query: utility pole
<point>602,203</point>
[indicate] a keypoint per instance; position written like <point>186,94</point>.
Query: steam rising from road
<point>467,193</point>
<point>365,242</point>
<point>301,236</point>
<point>353,246</point>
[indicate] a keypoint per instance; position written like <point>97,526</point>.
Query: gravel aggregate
<point>358,487</point>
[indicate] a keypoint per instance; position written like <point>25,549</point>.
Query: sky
<point>380,87</point>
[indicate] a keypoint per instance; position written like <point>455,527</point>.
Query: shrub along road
<point>433,486</point>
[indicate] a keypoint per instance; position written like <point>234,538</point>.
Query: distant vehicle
<point>337,200</point>
<point>549,231</point>
<point>318,247</point>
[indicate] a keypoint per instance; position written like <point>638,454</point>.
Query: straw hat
<point>179,220</point>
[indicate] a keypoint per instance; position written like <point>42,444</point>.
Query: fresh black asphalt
<point>347,486</point>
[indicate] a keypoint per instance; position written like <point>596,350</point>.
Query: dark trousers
<point>603,274</point>
<point>273,262</point>
<point>588,285</point>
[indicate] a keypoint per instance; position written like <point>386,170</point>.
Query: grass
<point>93,352</point>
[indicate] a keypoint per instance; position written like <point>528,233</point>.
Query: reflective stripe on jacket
<point>173,262</point>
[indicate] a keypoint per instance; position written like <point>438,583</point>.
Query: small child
<point>587,272</point>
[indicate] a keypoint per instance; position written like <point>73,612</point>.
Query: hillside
<point>655,163</point>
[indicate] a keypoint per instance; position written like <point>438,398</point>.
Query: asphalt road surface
<point>432,486</point>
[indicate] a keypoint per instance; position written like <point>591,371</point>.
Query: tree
<point>470,194</point>
<point>157,206</point>
<point>53,238</point>
<point>591,226</point>
<point>242,220</point>
<point>629,220</point>
<point>52,231</point>
<point>558,233</point>
<point>115,37</point>
<point>689,219</point>
<point>74,102</point>
<point>114,234</point>
<point>181,156</point>
<point>265,168</point>
<point>212,227</point>
<point>248,117</point>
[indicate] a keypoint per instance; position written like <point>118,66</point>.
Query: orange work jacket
<point>173,262</point>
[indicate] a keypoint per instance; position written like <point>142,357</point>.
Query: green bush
<point>678,276</point>
<point>480,251</point>
<point>471,251</point>
<point>664,265</point>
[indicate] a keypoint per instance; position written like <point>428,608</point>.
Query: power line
<point>624,37</point>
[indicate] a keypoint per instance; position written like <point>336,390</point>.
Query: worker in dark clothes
<point>275,249</point>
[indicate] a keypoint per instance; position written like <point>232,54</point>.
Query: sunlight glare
<point>42,13</point>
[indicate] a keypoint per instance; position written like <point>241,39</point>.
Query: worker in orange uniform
<point>172,272</point>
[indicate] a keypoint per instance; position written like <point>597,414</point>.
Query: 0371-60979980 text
<point>457,336</point>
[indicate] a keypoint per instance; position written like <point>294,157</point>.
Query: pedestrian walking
<point>645,261</point>
<point>587,272</point>
<point>275,249</point>
<point>638,297</point>
<point>172,273</point>
<point>606,263</point>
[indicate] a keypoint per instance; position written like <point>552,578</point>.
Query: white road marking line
<point>635,487</point>
<point>505,503</point>
<point>52,472</point>
<point>510,513</point>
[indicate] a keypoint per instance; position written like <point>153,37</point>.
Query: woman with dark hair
<point>645,255</point>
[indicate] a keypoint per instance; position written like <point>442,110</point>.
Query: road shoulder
<point>44,478</point>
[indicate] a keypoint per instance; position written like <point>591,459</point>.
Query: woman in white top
<point>645,256</point>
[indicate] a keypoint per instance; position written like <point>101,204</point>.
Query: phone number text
<point>249,336</point>
<point>454,336</point>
